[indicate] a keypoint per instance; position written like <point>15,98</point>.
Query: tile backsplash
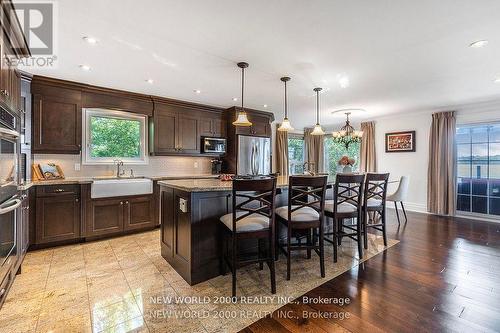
<point>157,166</point>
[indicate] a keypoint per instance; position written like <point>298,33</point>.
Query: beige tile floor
<point>124,285</point>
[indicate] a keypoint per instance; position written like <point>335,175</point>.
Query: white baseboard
<point>410,206</point>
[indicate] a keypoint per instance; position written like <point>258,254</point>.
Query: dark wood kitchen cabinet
<point>57,119</point>
<point>58,214</point>
<point>176,131</point>
<point>212,125</point>
<point>115,215</point>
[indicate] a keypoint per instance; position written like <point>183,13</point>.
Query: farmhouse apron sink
<point>106,188</point>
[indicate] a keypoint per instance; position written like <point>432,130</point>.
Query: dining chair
<point>252,217</point>
<point>400,196</point>
<point>374,201</point>
<point>304,215</point>
<point>346,205</point>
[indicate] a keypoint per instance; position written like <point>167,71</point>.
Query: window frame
<point>87,113</point>
<point>470,161</point>
<point>296,136</point>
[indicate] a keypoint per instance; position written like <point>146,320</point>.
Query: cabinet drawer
<point>51,190</point>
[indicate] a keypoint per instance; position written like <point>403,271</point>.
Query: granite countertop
<point>212,185</point>
<point>89,180</point>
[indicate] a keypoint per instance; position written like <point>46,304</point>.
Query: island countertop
<point>211,185</point>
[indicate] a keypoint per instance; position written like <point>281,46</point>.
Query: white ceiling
<point>400,56</point>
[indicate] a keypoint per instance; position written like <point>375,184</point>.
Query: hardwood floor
<point>444,275</point>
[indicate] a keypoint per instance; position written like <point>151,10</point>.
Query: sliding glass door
<point>478,169</point>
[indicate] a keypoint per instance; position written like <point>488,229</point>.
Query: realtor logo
<point>38,22</point>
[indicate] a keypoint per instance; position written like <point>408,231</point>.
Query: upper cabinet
<point>57,119</point>
<point>13,47</point>
<point>178,129</point>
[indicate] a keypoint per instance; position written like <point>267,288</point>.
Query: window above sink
<point>109,135</point>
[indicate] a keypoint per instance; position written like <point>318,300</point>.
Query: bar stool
<point>304,215</point>
<point>252,218</point>
<point>346,204</point>
<point>374,201</point>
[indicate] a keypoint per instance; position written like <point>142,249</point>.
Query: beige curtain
<point>281,152</point>
<point>441,180</point>
<point>367,156</point>
<point>314,151</point>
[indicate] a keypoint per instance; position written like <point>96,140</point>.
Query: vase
<point>347,169</point>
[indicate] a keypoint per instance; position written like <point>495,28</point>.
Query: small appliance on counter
<point>216,166</point>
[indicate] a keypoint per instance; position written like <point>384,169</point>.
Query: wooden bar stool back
<point>253,204</point>
<point>304,215</point>
<point>346,205</point>
<point>374,201</point>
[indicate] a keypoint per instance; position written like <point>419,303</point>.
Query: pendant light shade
<point>317,130</point>
<point>285,124</point>
<point>242,119</point>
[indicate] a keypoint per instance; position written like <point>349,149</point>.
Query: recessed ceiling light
<point>85,68</point>
<point>344,81</point>
<point>197,91</point>
<point>235,99</point>
<point>90,40</point>
<point>479,43</point>
<point>150,81</point>
<point>497,80</point>
<point>265,105</point>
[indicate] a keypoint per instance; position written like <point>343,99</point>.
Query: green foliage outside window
<point>334,152</point>
<point>296,155</point>
<point>114,137</point>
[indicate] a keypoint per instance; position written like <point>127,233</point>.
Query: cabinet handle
<point>77,199</point>
<point>121,202</point>
<point>126,202</point>
<point>59,190</point>
<point>4,92</point>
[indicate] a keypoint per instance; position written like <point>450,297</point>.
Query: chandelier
<point>347,134</point>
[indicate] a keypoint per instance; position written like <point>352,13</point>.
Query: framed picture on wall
<point>400,142</point>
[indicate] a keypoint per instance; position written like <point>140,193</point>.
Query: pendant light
<point>285,124</point>
<point>317,128</point>
<point>242,119</point>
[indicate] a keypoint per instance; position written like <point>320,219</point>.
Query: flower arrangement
<point>346,160</point>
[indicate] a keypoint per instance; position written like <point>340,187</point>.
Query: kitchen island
<point>189,215</point>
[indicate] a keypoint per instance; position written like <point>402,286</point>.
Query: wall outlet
<point>195,165</point>
<point>77,167</point>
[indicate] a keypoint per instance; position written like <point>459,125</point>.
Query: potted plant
<point>346,163</point>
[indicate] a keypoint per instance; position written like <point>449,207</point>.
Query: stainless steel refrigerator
<point>254,155</point>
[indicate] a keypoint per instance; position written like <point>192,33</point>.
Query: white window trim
<point>88,160</point>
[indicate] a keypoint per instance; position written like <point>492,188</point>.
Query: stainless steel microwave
<point>213,145</point>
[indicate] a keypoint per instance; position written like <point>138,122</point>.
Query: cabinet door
<point>165,132</point>
<point>219,127</point>
<point>206,127</point>
<point>4,70</point>
<point>106,217</point>
<point>189,139</point>
<point>57,125</point>
<point>139,213</point>
<point>260,126</point>
<point>57,218</point>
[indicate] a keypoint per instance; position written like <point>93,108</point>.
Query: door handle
<point>10,206</point>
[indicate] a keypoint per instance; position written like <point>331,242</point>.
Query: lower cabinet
<point>111,216</point>
<point>57,218</point>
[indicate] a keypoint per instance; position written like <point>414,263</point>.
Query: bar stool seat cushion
<point>252,222</point>
<point>344,207</point>
<point>304,214</point>
<point>373,202</point>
